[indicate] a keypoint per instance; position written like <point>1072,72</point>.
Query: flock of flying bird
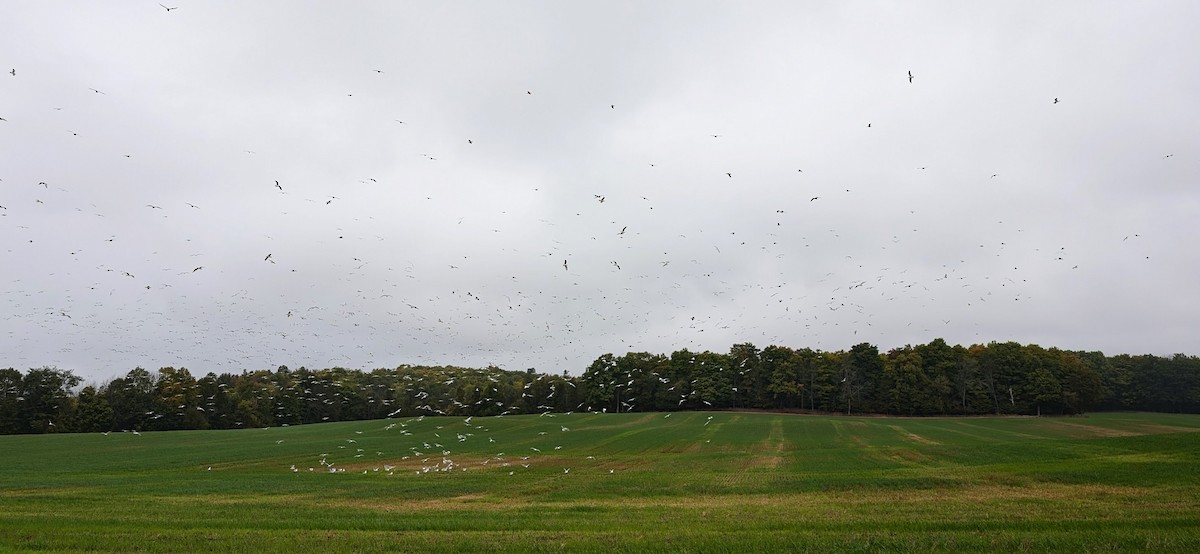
<point>433,447</point>
<point>359,279</point>
<point>423,445</point>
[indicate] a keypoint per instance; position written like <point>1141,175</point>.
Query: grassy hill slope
<point>717,481</point>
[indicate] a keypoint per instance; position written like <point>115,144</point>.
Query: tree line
<point>928,379</point>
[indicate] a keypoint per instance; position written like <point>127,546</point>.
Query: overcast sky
<point>534,184</point>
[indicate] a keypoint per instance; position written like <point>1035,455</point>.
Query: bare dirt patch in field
<point>905,456</point>
<point>1081,431</point>
<point>1155,429</point>
<point>48,493</point>
<point>913,436</point>
<point>765,462</point>
<point>226,500</point>
<point>811,502</point>
<point>473,501</point>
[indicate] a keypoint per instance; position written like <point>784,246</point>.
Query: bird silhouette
<point>910,76</point>
<point>565,265</point>
<point>278,186</point>
<point>169,9</point>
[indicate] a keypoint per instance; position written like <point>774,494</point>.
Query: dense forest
<point>928,379</point>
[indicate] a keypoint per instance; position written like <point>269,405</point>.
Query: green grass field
<point>698,482</point>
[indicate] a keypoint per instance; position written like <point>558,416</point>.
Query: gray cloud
<point>966,204</point>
